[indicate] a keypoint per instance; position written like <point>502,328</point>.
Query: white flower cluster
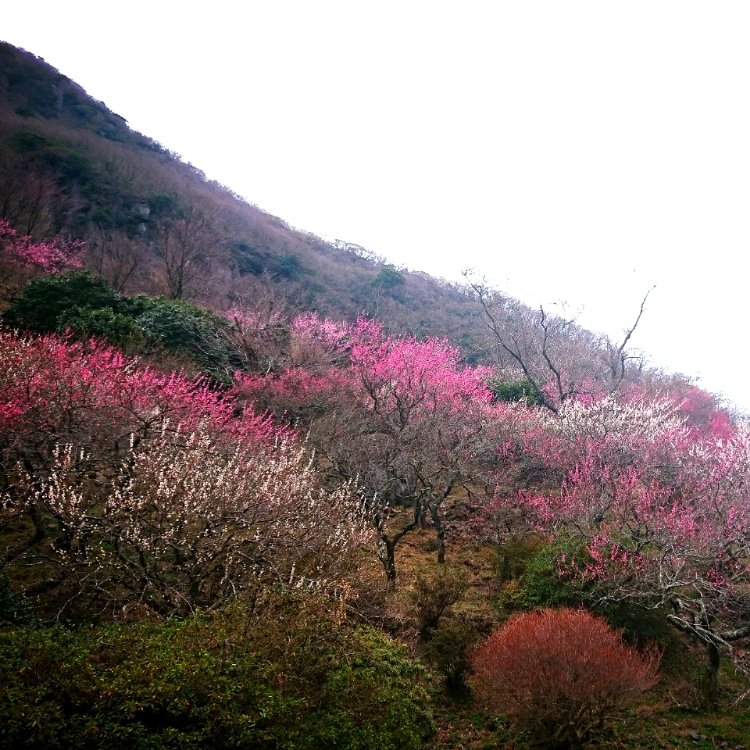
<point>190,520</point>
<point>613,416</point>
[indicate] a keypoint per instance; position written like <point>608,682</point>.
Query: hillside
<point>260,490</point>
<point>155,225</point>
<point>69,166</point>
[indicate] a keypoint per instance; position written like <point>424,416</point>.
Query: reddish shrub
<point>559,673</point>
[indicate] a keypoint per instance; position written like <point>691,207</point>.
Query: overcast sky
<point>568,151</point>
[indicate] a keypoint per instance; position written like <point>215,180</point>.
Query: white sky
<point>578,151</point>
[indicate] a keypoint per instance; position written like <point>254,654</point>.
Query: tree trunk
<point>439,533</point>
<point>711,684</point>
<point>387,555</point>
<point>387,544</point>
<point>389,561</point>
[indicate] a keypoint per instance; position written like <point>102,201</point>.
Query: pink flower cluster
<point>53,390</point>
<point>53,257</point>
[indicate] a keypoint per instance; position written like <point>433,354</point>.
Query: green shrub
<point>390,281</point>
<point>102,323</point>
<point>86,306</point>
<point>46,302</point>
<point>448,651</point>
<point>513,556</point>
<point>286,266</point>
<point>514,391</point>
<point>187,329</point>
<point>163,204</point>
<point>434,594</point>
<point>541,583</point>
<point>289,678</point>
<point>14,609</point>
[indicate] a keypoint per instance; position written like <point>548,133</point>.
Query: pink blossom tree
<point>22,258</point>
<point>400,416</point>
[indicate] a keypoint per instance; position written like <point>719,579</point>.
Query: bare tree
<point>115,256</point>
<point>258,331</point>
<point>618,357</point>
<point>28,199</point>
<point>556,356</point>
<point>184,247</point>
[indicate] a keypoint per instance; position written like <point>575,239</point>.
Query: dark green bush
<point>514,555</point>
<point>292,678</point>
<point>285,266</point>
<point>84,305</point>
<point>45,303</point>
<point>14,609</point>
<point>389,277</point>
<point>390,281</point>
<point>102,323</point>
<point>249,259</point>
<point>514,391</point>
<point>187,329</point>
<point>541,583</point>
<point>163,204</point>
<point>448,651</point>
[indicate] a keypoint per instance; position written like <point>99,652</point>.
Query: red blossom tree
<point>54,256</point>
<point>53,390</point>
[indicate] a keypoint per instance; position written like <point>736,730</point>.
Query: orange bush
<point>559,673</point>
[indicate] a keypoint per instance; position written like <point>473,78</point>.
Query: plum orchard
<point>651,479</point>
